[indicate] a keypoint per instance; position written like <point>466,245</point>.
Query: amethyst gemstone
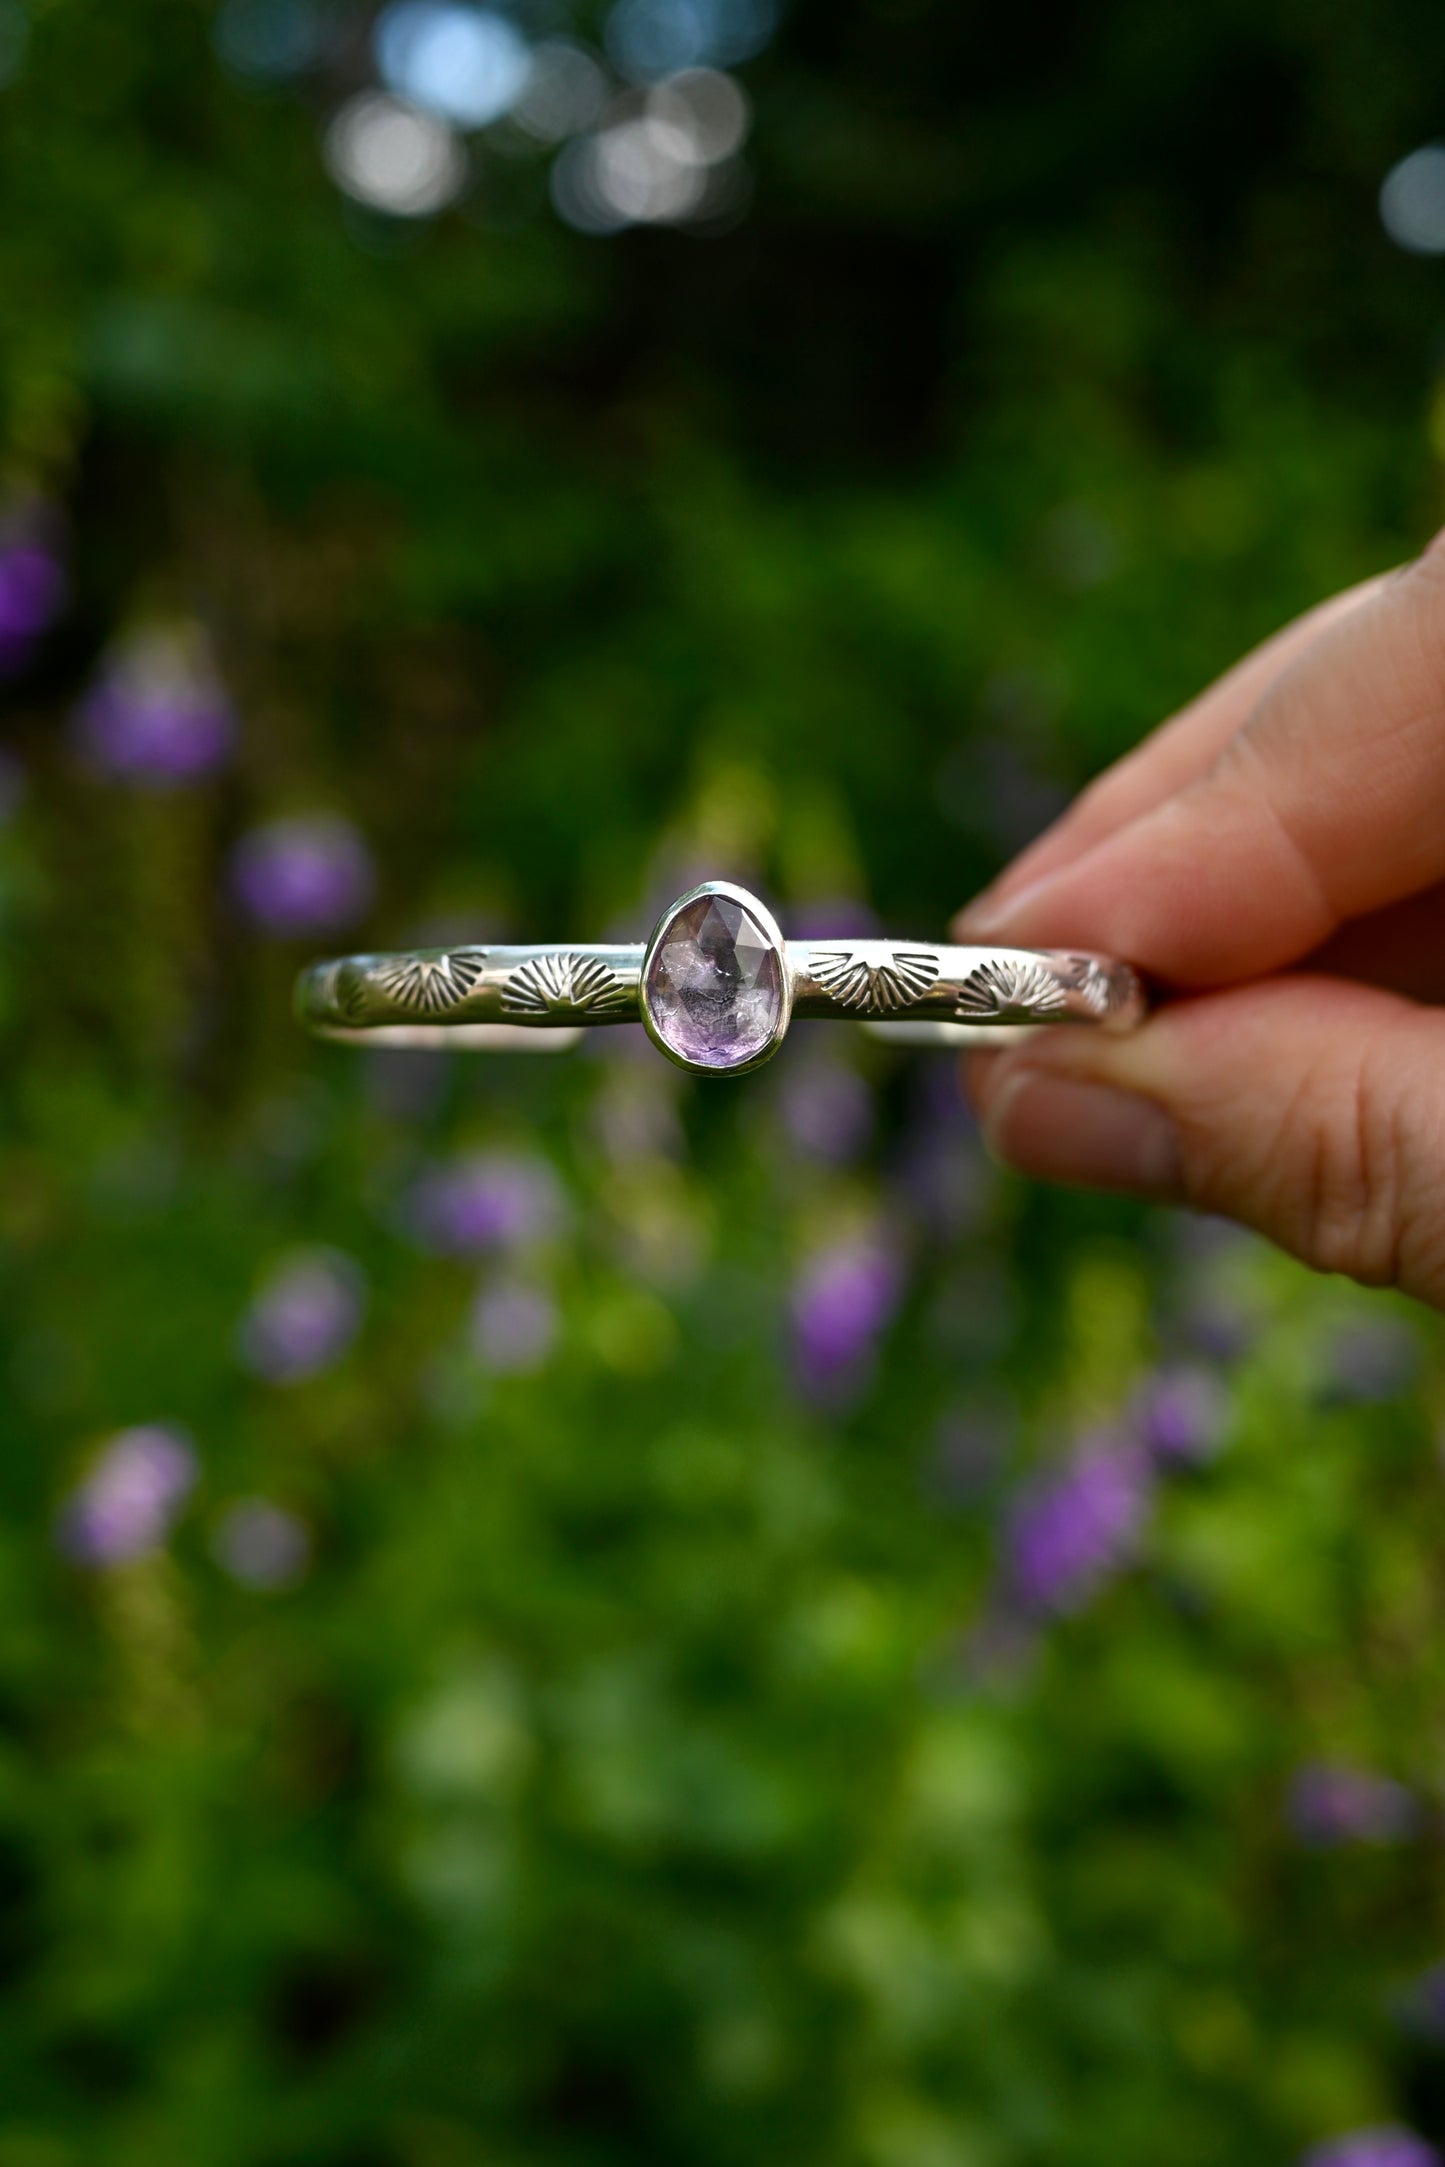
<point>714,989</point>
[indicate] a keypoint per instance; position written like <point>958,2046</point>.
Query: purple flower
<point>1331,1804</point>
<point>493,1200</point>
<point>261,1545</point>
<point>842,1299</point>
<point>1073,1531</point>
<point>1182,1416</point>
<point>305,1317</point>
<point>1386,2147</point>
<point>308,874</point>
<point>32,590</point>
<point>826,1108</point>
<point>514,1326</point>
<point>157,713</point>
<point>126,1504</point>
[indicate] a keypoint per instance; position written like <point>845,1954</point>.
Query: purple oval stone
<point>714,987</point>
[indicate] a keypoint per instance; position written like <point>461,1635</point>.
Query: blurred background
<point>553,1616</point>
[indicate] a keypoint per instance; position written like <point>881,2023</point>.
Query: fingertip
<point>973,919</point>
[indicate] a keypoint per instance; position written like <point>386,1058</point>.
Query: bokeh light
<point>394,157</point>
<point>649,39</point>
<point>665,157</point>
<point>565,91</point>
<point>467,65</point>
<point>705,111</point>
<point>640,175</point>
<point>1412,201</point>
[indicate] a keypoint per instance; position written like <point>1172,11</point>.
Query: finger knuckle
<point>1331,1177</point>
<point>1349,1206</point>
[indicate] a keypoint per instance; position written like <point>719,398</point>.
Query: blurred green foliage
<point>637,1774</point>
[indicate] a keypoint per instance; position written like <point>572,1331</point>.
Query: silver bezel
<point>734,894</point>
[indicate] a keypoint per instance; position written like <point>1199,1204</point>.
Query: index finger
<point>1329,803</point>
<point>1177,753</point>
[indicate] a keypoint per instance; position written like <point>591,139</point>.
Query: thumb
<point>1308,1108</point>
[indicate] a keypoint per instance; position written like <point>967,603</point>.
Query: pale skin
<point>1274,857</point>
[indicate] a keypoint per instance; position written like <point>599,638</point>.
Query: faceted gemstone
<point>715,985</point>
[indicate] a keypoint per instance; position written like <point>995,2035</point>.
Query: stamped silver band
<point>716,988</point>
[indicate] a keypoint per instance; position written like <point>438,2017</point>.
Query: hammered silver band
<point>493,997</point>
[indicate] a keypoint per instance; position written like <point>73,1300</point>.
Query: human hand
<point>1274,857</point>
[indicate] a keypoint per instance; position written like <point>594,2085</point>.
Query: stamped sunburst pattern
<point>874,978</point>
<point>564,985</point>
<point>1105,988</point>
<point>1010,990</point>
<point>429,985</point>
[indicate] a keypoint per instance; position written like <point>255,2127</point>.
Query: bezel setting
<point>727,891</point>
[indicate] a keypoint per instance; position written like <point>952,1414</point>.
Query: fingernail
<point>995,910</point>
<point>974,917</point>
<point>1090,1135</point>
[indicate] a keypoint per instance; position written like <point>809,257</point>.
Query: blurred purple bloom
<point>842,1299</point>
<point>305,1317</point>
<point>261,1545</point>
<point>514,1326</point>
<point>1372,1359</point>
<point>126,1504</point>
<point>1073,1531</point>
<point>826,1108</point>
<point>32,592</point>
<point>308,874</point>
<point>493,1200</point>
<point>1331,1804</point>
<point>1390,2147</point>
<point>1182,1416</point>
<point>157,712</point>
